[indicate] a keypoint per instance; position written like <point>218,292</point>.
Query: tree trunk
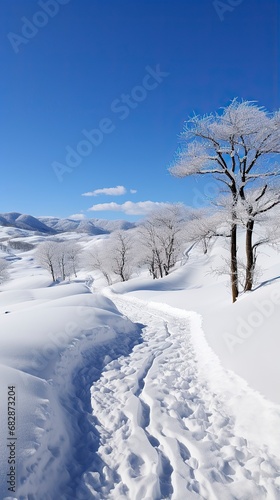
<point>169,254</point>
<point>52,271</point>
<point>249,256</point>
<point>74,269</point>
<point>63,271</point>
<point>159,263</point>
<point>106,276</point>
<point>233,263</point>
<point>152,269</point>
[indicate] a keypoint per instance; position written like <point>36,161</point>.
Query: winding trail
<point>163,433</point>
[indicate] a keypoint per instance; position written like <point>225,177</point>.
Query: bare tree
<point>59,258</point>
<point>46,255</point>
<point>162,235</point>
<point>113,256</point>
<point>205,226</point>
<point>151,253</point>
<point>98,260</point>
<point>73,255</point>
<point>3,271</point>
<point>236,147</point>
<point>20,245</point>
<point>121,254</point>
<point>62,259</point>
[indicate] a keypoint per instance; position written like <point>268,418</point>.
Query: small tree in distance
<point>46,255</point>
<point>73,255</point>
<point>161,236</point>
<point>59,258</point>
<point>4,275</point>
<point>67,258</point>
<point>205,227</point>
<point>114,256</point>
<point>97,260</point>
<point>121,254</point>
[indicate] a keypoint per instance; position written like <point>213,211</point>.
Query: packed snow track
<point>163,433</point>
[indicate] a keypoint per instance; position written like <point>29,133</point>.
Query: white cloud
<point>77,216</point>
<point>113,191</point>
<point>133,191</point>
<point>129,207</point>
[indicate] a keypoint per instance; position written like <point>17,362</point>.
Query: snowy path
<point>163,433</point>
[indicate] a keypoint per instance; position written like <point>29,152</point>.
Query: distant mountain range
<point>54,225</point>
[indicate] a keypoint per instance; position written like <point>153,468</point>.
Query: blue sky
<point>127,73</point>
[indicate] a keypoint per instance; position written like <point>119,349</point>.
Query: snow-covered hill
<point>52,225</point>
<point>89,226</point>
<point>22,221</point>
<point>146,389</point>
<point>245,335</point>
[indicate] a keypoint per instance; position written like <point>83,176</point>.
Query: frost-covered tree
<point>97,259</point>
<point>4,275</point>
<point>113,256</point>
<point>21,245</point>
<point>205,226</point>
<point>59,258</point>
<point>46,255</point>
<point>68,253</point>
<point>121,254</point>
<point>161,236</point>
<point>62,260</point>
<point>238,147</point>
<point>151,253</point>
<point>73,257</point>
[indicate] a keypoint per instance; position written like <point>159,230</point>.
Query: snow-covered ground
<point>118,394</point>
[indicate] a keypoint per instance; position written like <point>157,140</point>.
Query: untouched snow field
<point>142,391</point>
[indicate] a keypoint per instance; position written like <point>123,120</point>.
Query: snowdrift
<point>244,335</point>
<point>56,340</point>
<point>48,334</point>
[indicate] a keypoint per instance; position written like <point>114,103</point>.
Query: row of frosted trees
<point>238,148</point>
<point>156,244</point>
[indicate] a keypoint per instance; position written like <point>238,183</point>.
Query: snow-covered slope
<point>89,226</point>
<point>175,424</point>
<point>52,225</point>
<point>48,334</point>
<point>70,225</point>
<point>140,408</point>
<point>22,221</point>
<point>245,335</point>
